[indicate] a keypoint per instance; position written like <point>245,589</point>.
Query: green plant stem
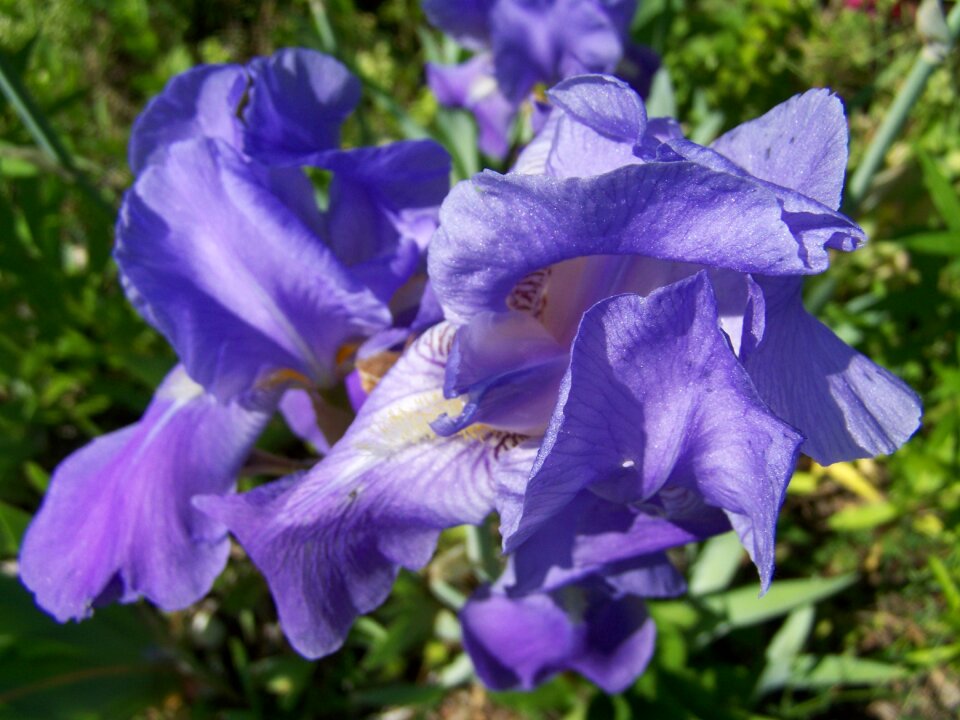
<point>911,91</point>
<point>482,553</point>
<point>44,136</point>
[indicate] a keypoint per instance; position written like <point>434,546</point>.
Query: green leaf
<point>38,478</point>
<point>950,592</point>
<point>716,564</point>
<point>862,517</point>
<point>285,676</point>
<point>941,191</point>
<point>832,670</point>
<point>945,243</point>
<point>400,695</point>
<point>784,649</point>
<point>935,656</point>
<point>108,666</point>
<point>459,132</point>
<point>31,115</point>
<point>457,672</point>
<point>13,523</point>
<point>742,607</point>
<point>662,102</point>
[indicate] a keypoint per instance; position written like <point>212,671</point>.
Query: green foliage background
<point>863,620</point>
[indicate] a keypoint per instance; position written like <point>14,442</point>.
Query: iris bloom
<point>223,249</point>
<point>624,366</point>
<point>523,44</point>
<point>689,375</point>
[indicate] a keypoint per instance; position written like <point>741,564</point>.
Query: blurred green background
<point>863,619</point>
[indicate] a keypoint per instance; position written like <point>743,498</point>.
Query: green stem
<point>911,91</point>
<point>482,552</point>
<point>43,134</point>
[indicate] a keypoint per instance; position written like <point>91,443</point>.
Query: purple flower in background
<point>523,44</point>
<point>222,248</point>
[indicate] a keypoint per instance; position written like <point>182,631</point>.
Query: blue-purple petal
<point>655,398</point>
<point>547,41</point>
<point>381,196</point>
<point>846,405</point>
<point>297,102</point>
<point>300,413</point>
<point>238,284</point>
<point>117,521</point>
<point>201,102</point>
<point>330,541</point>
<point>509,367</point>
<point>593,536</point>
<point>603,103</point>
<point>800,144</point>
<point>466,20</point>
<point>521,642</point>
<point>495,229</point>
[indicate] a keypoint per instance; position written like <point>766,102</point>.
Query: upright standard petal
<point>800,144</point>
<point>330,542</point>
<point>495,229</point>
<point>298,101</point>
<point>654,397</point>
<point>201,102</point>
<point>117,522</point>
<point>846,405</point>
<point>383,208</point>
<point>235,281</point>
<point>604,104</point>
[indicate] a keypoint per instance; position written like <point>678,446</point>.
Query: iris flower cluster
<point>522,45</point>
<point>606,346</point>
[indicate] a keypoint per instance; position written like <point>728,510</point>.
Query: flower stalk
<point>937,46</point>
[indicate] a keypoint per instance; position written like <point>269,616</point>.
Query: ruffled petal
<point>815,225</point>
<point>654,397</point>
<point>297,102</point>
<point>846,405</point>
<point>330,541</point>
<point>236,282</point>
<point>117,521</point>
<point>496,229</point>
<point>593,536</point>
<point>800,144</point>
<point>521,642</point>
<point>604,104</point>
<point>201,102</point>
<point>383,208</point>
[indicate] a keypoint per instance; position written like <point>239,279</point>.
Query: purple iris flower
<point>223,248</point>
<point>524,43</point>
<point>688,374</point>
<point>610,311</point>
